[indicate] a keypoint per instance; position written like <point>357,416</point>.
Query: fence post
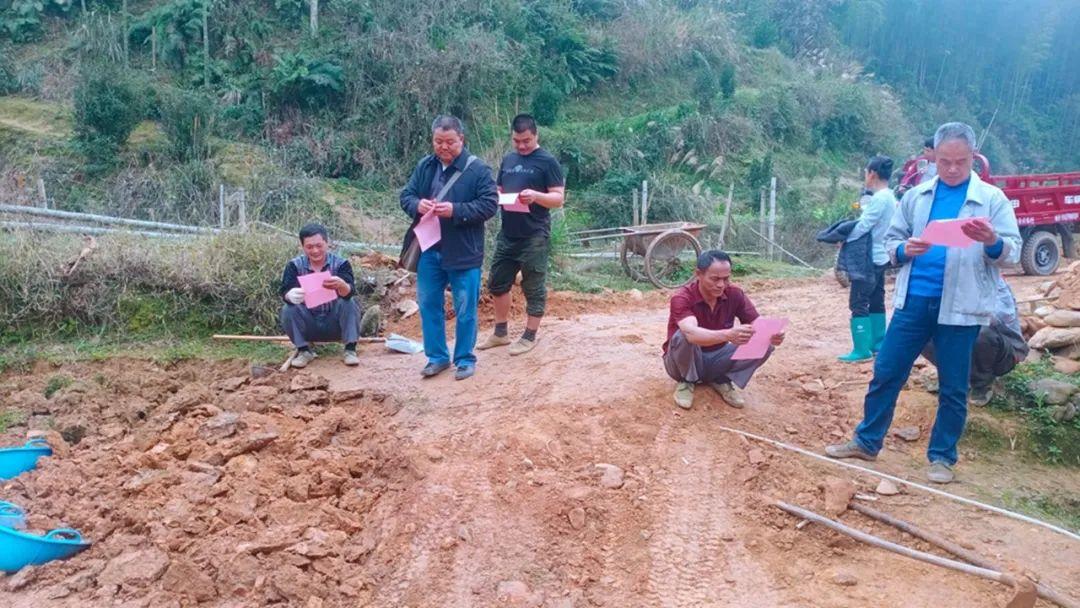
<point>43,202</point>
<point>761,212</point>
<point>242,209</point>
<point>727,215</point>
<point>772,217</point>
<point>645,202</point>
<point>637,214</point>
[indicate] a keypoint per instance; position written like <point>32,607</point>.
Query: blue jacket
<point>475,198</point>
<point>856,257</point>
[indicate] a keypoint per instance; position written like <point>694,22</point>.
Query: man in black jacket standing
<point>462,208</point>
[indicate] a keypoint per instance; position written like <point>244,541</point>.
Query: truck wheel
<point>1040,255</point>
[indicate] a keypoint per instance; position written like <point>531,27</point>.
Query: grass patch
<point>10,418</point>
<point>1063,509</point>
<point>1044,434</point>
<point>56,384</point>
<point>985,435</point>
<point>161,350</point>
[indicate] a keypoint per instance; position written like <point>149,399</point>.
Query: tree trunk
<point>314,4</point>
<point>206,44</point>
<point>124,29</point>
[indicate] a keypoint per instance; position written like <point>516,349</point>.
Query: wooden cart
<point>663,254</point>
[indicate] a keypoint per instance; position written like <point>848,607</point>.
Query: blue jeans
<point>911,329</point>
<point>431,282</point>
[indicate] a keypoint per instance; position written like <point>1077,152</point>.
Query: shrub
<point>546,104</point>
<point>727,80</point>
<point>187,118</point>
<point>301,79</point>
<point>108,107</point>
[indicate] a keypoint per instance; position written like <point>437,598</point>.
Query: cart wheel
<point>632,263</point>
<point>668,261</point>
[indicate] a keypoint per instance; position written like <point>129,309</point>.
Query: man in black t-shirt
<point>524,240</point>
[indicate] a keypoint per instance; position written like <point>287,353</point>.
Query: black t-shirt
<point>537,171</point>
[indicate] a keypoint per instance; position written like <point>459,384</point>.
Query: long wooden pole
<point>767,240</point>
<point>246,338</point>
<point>772,217</point>
<point>945,544</point>
<point>727,214</point>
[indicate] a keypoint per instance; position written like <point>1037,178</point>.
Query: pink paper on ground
<point>428,230</point>
<point>949,233</point>
<point>764,329</point>
<point>509,202</point>
<point>314,293</point>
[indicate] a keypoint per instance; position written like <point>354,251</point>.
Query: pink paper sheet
<point>428,230</point>
<point>314,293</point>
<point>509,202</point>
<point>764,329</point>
<point>949,233</point>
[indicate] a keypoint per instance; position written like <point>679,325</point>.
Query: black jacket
<point>475,198</point>
<point>857,257</point>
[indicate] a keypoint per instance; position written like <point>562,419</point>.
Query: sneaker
<point>731,395</point>
<point>302,358</point>
<point>851,449</point>
<point>434,369</point>
<point>522,346</point>
<point>684,395</point>
<point>351,358</point>
<point>979,397</point>
<point>939,472</point>
<point>464,371</point>
<point>493,341</point>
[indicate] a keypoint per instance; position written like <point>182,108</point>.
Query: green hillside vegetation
<point>673,92</point>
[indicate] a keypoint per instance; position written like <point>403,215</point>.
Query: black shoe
<point>465,371</point>
<point>434,369</point>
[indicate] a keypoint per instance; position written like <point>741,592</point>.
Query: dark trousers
<point>991,358</point>
<point>341,322</point>
<point>686,362</point>
<point>912,327</point>
<point>868,297</point>
<point>528,255</point>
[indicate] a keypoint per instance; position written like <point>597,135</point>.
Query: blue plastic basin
<point>12,515</point>
<point>19,549</point>
<point>14,461</point>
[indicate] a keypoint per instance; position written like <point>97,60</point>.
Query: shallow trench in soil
<point>562,478</point>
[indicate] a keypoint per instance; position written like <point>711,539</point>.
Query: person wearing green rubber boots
<point>867,297</point>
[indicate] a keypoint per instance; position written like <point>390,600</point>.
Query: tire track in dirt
<point>695,552</point>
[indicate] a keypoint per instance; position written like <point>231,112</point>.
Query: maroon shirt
<point>687,301</point>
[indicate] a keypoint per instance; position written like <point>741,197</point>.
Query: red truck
<point>1047,209</point>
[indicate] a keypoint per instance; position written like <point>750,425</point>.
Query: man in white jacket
<point>943,294</point>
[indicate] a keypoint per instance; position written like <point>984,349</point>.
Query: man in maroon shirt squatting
<point>702,335</point>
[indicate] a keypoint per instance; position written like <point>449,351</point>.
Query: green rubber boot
<point>877,330</point>
<point>861,337</point>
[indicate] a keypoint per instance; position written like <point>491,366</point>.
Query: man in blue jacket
<point>942,295</point>
<point>468,198</point>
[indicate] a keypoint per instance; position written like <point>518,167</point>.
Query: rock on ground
<point>838,494</point>
<point>1053,392</point>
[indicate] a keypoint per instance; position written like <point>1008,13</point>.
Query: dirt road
<point>563,478</point>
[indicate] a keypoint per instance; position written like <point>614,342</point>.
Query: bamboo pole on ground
<point>967,555</point>
<point>880,543</point>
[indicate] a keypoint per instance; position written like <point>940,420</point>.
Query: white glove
<point>295,296</point>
